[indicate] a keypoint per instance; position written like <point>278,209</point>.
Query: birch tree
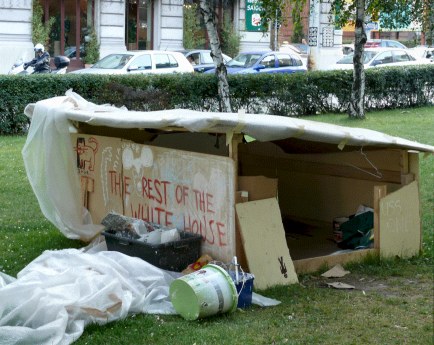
<point>357,102</point>
<point>208,12</point>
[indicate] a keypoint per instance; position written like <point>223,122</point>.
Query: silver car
<point>379,57</point>
<point>140,62</point>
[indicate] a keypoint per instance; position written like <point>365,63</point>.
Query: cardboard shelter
<point>264,188</point>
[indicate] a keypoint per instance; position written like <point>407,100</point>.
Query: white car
<point>424,53</point>
<point>140,62</point>
<point>379,57</point>
<point>290,48</point>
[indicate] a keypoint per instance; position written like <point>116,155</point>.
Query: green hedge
<point>286,95</point>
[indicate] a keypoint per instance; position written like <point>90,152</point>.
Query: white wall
<point>168,33</point>
<point>110,25</point>
<point>15,32</point>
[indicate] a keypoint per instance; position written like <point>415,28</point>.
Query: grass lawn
<point>392,302</point>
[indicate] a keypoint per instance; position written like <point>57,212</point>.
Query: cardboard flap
<point>264,242</point>
<point>400,222</point>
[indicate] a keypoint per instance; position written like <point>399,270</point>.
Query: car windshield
<point>113,61</point>
<point>244,60</point>
<point>348,59</point>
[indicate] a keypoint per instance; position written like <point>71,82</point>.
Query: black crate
<point>172,256</point>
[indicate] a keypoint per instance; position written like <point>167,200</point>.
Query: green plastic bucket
<point>206,292</point>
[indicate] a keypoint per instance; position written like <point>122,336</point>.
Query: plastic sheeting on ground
<point>60,292</point>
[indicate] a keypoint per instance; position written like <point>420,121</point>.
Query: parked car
<point>70,52</point>
<point>265,62</point>
<point>423,52</point>
<point>303,48</point>
<point>300,49</point>
<point>141,62</point>
<point>379,57</point>
<point>381,43</point>
<point>201,59</point>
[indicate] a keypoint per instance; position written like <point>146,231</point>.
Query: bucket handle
<point>226,267</point>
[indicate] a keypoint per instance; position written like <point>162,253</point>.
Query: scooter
<point>18,68</point>
<point>61,62</point>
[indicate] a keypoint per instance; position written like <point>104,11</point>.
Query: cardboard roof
<point>292,134</point>
<point>49,160</point>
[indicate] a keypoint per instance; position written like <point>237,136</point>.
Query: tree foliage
<point>193,37</point>
<point>40,30</point>
<point>92,48</point>
<point>392,14</point>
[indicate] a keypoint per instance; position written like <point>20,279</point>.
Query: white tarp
<point>61,292</point>
<point>49,160</point>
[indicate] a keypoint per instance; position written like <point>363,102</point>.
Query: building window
<point>138,24</point>
<point>73,23</point>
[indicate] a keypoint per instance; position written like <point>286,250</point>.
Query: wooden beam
<point>314,264</point>
<point>318,168</point>
<point>379,192</point>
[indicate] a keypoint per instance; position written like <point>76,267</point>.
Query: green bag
<point>357,231</point>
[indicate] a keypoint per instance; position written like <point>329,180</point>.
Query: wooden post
<point>379,192</point>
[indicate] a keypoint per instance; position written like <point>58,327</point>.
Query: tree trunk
<point>357,103</point>
<point>207,8</point>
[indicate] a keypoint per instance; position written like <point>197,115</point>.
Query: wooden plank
<point>386,159</point>
<point>404,162</point>
<point>84,191</point>
<point>379,192</point>
<point>264,242</point>
<point>407,178</point>
<point>400,228</point>
<point>413,164</point>
<point>314,264</point>
<point>413,167</point>
<point>241,196</point>
<point>233,153</point>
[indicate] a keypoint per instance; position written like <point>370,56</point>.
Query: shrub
<point>91,48</point>
<point>280,94</point>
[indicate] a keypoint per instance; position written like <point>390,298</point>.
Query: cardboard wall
<point>186,190</point>
<point>323,186</point>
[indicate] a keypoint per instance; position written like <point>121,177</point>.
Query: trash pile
<point>167,248</point>
<point>205,287</point>
<point>138,229</point>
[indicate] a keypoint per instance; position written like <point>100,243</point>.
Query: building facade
<point>120,25</point>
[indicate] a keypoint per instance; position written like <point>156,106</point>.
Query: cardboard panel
<point>258,187</point>
<point>190,191</point>
<point>400,231</point>
<point>389,159</point>
<point>98,160</point>
<point>264,242</point>
<point>324,198</point>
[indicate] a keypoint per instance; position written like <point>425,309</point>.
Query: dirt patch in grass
<point>415,287</point>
